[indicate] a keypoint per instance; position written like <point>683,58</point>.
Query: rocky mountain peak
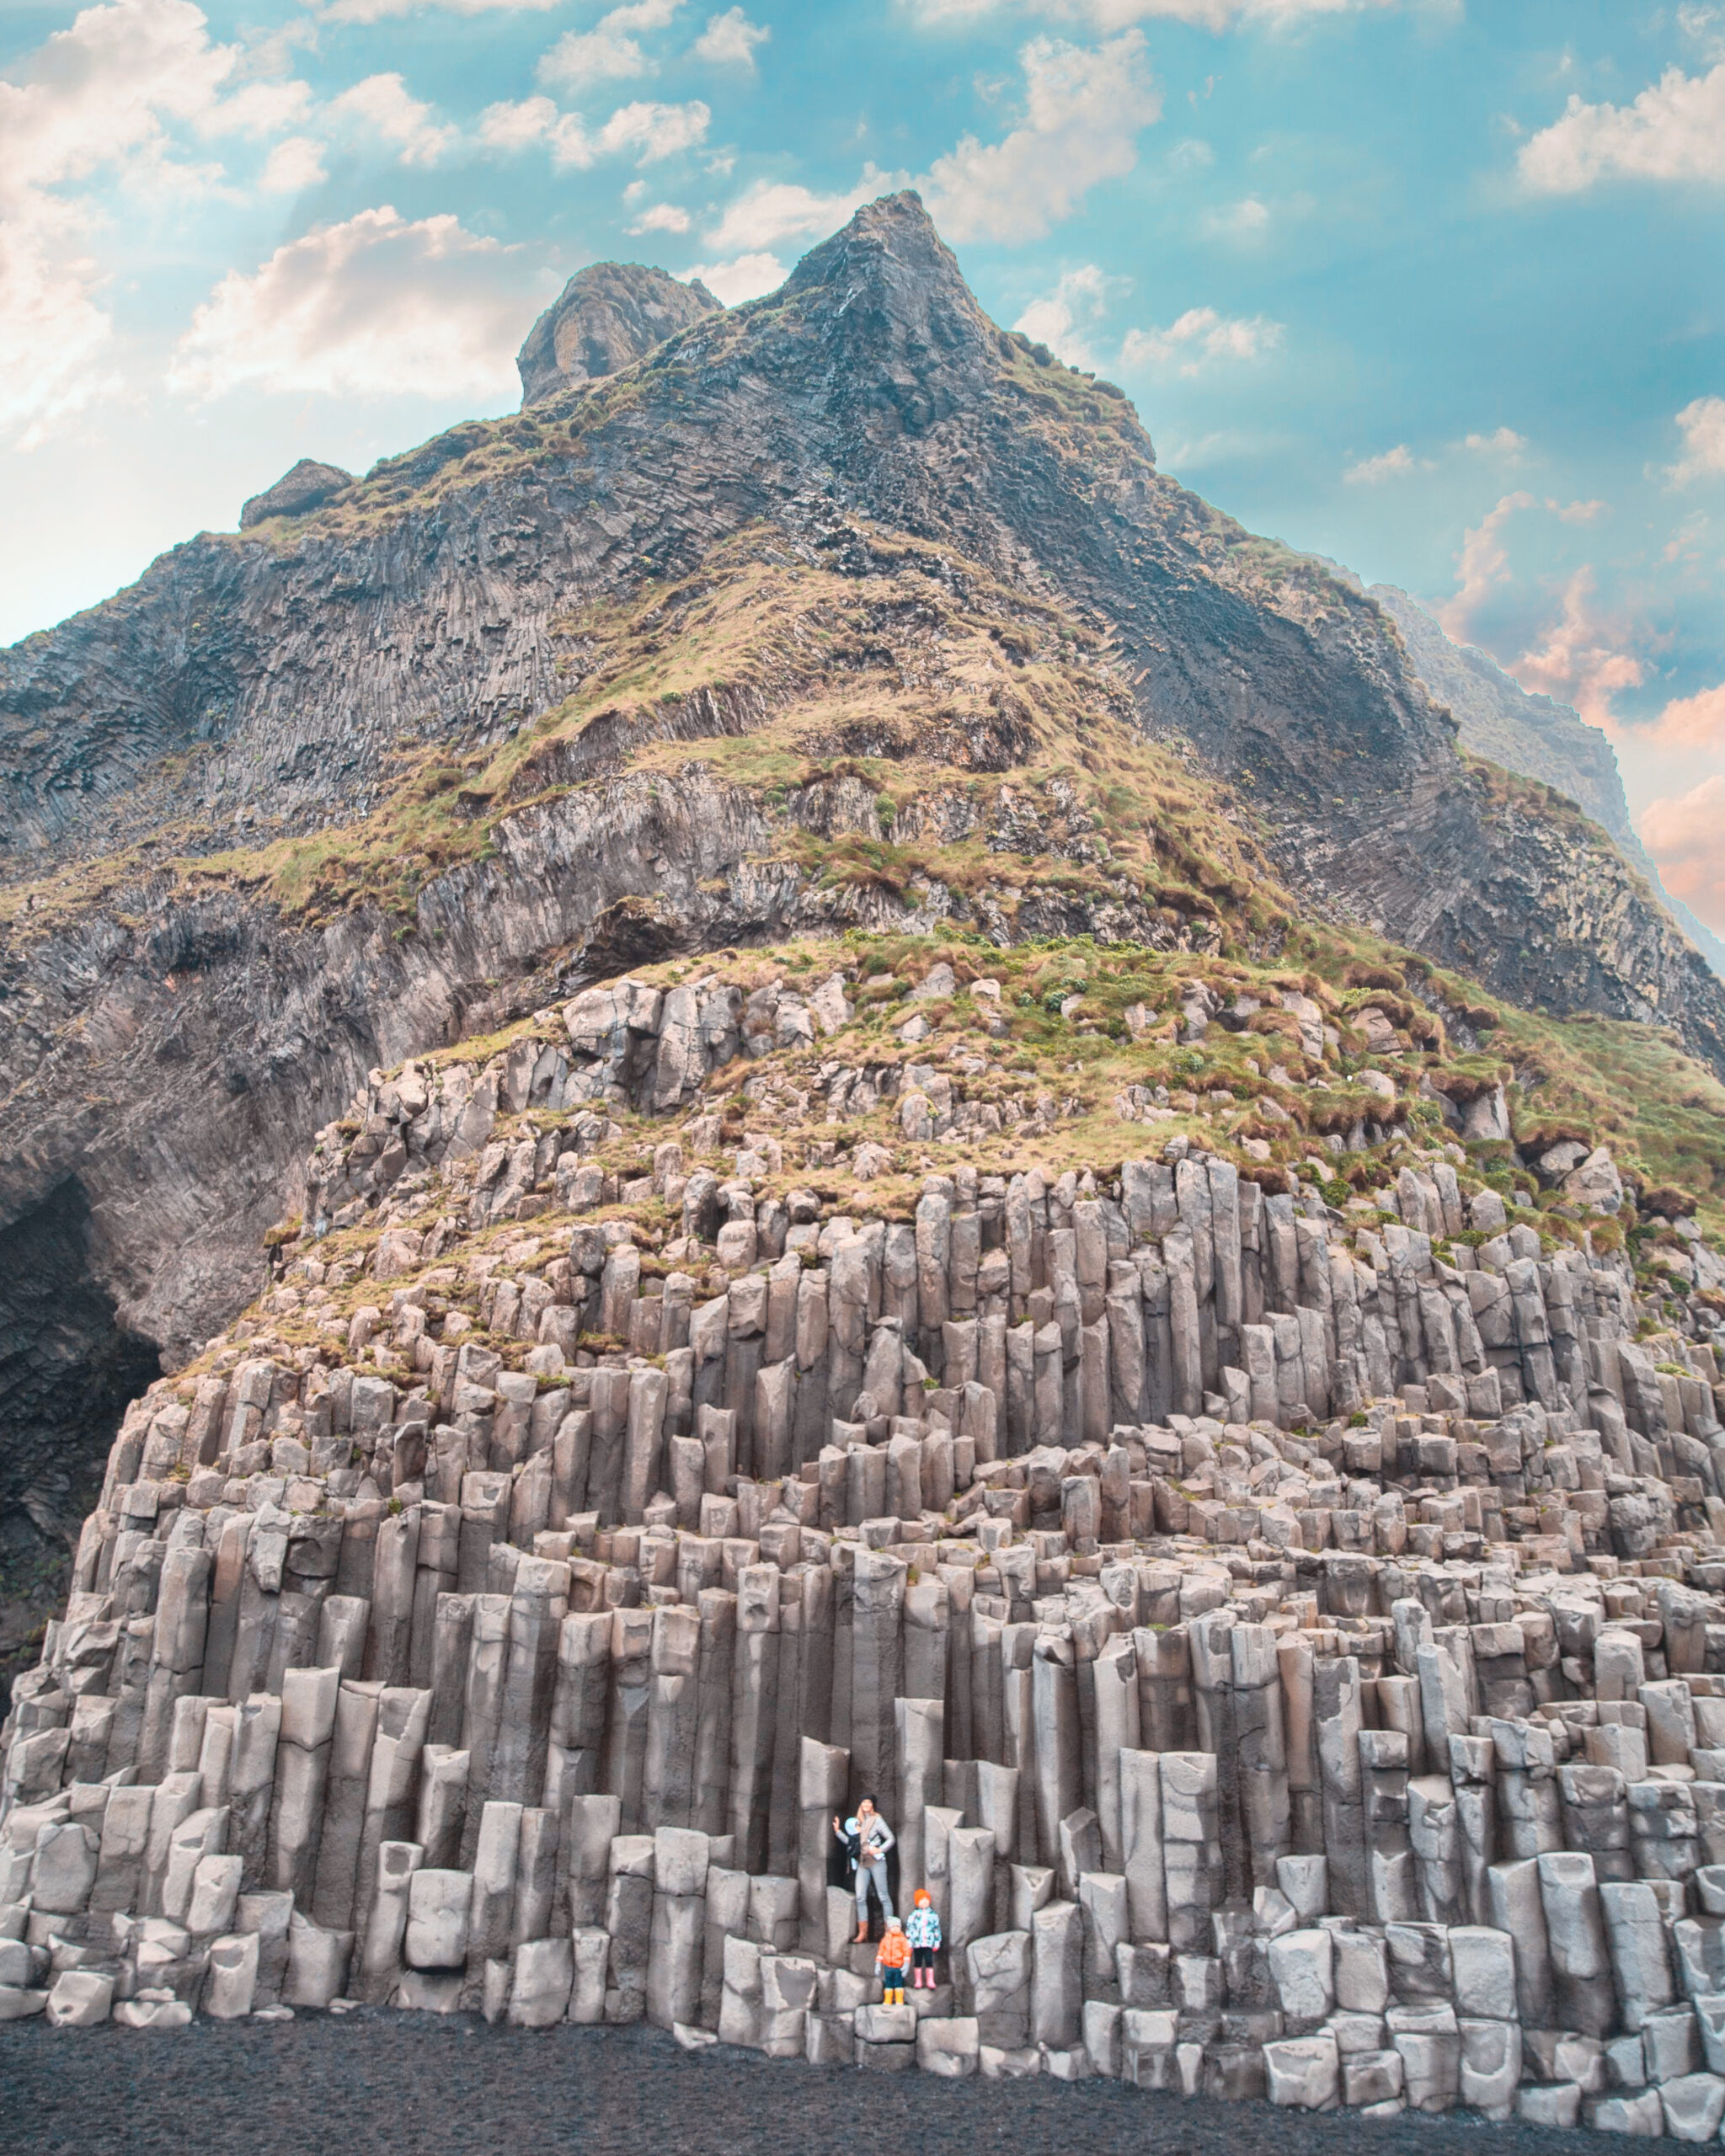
<point>607,316</point>
<point>843,618</point>
<point>889,285</point>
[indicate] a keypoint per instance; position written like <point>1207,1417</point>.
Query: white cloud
<point>1702,426</point>
<point>744,279</point>
<point>378,11</point>
<point>375,305</point>
<point>534,120</point>
<point>1481,567</point>
<point>1503,444</point>
<point>1248,219</point>
<point>1114,14</point>
<point>1192,154</point>
<point>611,51</point>
<point>1577,512</point>
<point>101,102</point>
<point>1686,542</point>
<point>54,336</point>
<point>292,164</point>
<point>662,217</point>
<point>382,109</point>
<point>1084,111</point>
<point>1199,337</point>
<point>1059,319</point>
<point>1218,446</point>
<point>101,95</point>
<point>772,210</point>
<point>1675,131</point>
<point>1395,463</point>
<point>730,39</point>
<point>601,55</point>
<point>655,130</point>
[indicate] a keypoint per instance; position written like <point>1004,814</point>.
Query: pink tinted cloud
<point>1682,834</point>
<point>1581,663</point>
<point>1696,722</point>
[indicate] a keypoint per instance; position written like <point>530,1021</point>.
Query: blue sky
<point>1432,286</point>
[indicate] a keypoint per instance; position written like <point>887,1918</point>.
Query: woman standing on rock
<point>866,1838</point>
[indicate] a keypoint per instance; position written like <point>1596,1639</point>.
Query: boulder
<point>1301,1965</point>
<point>230,1987</point>
<point>1642,2113</point>
<point>1304,2073</point>
<point>1549,2103</point>
<point>439,1911</point>
<point>1491,2065</point>
<point>317,1963</point>
<point>543,1977</point>
<point>80,1999</point>
<point>1693,2105</point>
<point>607,316</point>
<point>158,2011</point>
<point>1596,1182</point>
<point>999,1968</point>
<point>1370,2078</point>
<point>948,2049</point>
<point>995,2064</point>
<point>296,493</point>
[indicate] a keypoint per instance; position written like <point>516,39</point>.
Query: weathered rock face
<point>1286,1640</point>
<point>306,487</point>
<point>175,1034</point>
<point>1536,735</point>
<point>607,316</point>
<point>873,366</point>
<point>1499,719</point>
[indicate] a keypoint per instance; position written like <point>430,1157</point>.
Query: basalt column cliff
<point>820,1092</point>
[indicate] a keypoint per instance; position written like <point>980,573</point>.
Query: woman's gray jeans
<point>877,1872</point>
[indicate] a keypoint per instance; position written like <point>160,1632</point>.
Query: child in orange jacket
<point>892,1959</point>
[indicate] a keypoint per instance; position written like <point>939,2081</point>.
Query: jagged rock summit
<point>607,316</point>
<point>308,486</point>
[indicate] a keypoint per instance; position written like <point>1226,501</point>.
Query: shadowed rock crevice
<point>67,1368</point>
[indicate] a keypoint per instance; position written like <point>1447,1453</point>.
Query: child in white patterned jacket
<point>923,1929</point>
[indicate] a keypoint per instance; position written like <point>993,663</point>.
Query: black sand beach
<point>419,2085</point>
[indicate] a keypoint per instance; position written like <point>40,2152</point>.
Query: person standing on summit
<point>866,1838</point>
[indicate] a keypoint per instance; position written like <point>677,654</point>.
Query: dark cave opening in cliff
<point>67,1369</point>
